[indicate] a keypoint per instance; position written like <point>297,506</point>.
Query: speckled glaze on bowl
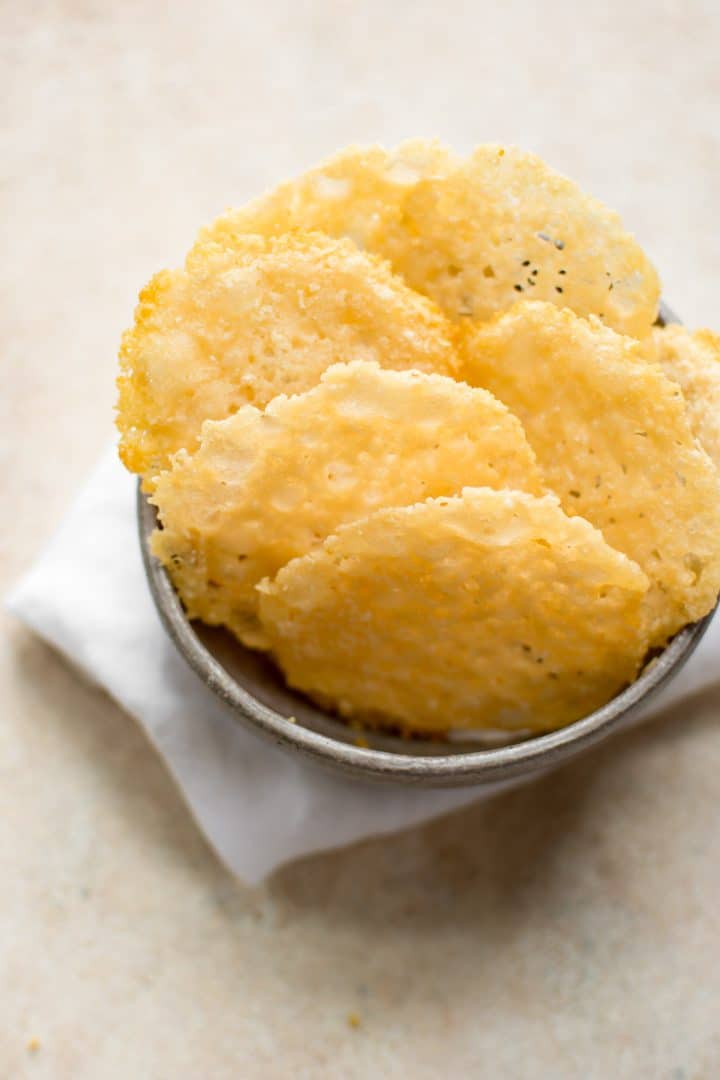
<point>254,690</point>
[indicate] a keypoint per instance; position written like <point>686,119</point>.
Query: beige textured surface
<point>569,929</point>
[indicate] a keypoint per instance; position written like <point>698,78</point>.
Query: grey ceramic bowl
<point>255,691</point>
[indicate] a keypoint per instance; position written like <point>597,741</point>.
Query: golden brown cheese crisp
<point>692,360</point>
<point>613,438</point>
<point>267,317</point>
<point>492,609</point>
<point>358,193</point>
<point>265,487</point>
<point>471,234</point>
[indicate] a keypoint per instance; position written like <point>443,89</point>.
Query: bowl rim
<point>481,766</point>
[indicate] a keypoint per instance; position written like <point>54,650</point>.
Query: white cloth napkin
<point>258,805</point>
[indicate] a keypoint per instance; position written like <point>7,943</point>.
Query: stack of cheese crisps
<point>410,428</point>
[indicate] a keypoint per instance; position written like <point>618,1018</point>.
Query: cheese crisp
<point>358,193</point>
<point>613,438</point>
<point>692,360</point>
<point>492,609</point>
<point>266,318</point>
<point>265,487</point>
<point>504,225</point>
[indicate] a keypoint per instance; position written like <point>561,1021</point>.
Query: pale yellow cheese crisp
<point>613,438</point>
<point>268,317</point>
<point>492,609</point>
<point>265,487</point>
<point>692,360</point>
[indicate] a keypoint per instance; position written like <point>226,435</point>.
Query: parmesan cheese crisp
<point>492,609</point>
<point>411,429</point>
<point>613,437</point>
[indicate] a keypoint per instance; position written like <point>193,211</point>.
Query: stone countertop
<point>569,929</point>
